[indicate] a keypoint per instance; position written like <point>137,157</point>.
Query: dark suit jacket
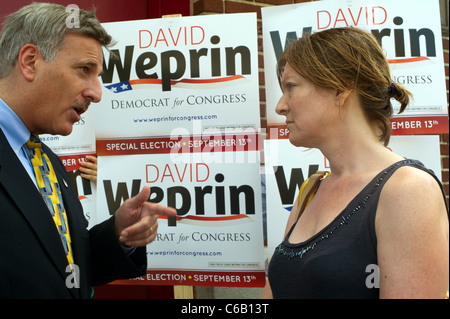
<point>32,260</point>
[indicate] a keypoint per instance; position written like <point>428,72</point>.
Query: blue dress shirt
<point>17,135</point>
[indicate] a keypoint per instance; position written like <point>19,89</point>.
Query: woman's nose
<point>282,106</point>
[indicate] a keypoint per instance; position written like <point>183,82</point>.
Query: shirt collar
<point>13,127</point>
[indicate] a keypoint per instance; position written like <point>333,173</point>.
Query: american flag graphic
<point>124,86</point>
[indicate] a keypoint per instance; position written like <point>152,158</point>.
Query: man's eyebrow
<point>91,63</point>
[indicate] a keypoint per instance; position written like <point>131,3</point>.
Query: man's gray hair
<point>44,25</point>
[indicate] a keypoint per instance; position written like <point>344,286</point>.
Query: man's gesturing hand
<point>136,220</point>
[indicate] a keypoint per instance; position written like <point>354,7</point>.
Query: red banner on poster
<point>180,144</point>
<point>72,162</point>
<point>199,278</point>
<point>408,125</point>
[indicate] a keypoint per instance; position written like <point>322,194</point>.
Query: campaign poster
<point>72,149</point>
<point>285,174</point>
<point>411,40</point>
<point>180,113</point>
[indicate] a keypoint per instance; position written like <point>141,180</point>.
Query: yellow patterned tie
<point>50,190</point>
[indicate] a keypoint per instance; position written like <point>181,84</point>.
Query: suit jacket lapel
<point>29,201</point>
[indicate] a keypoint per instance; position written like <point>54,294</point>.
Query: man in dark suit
<point>49,72</point>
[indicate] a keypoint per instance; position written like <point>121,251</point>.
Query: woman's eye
<point>289,86</point>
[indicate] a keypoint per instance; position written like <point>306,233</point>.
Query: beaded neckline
<point>340,221</point>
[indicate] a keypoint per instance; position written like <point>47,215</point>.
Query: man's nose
<point>94,91</point>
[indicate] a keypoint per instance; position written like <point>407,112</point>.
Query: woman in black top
<point>377,227</point>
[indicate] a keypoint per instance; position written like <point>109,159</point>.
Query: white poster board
<point>410,38</point>
<point>180,113</point>
<point>413,47</point>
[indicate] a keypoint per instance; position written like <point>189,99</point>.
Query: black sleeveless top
<point>341,260</point>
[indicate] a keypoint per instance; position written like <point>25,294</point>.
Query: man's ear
<point>28,57</point>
